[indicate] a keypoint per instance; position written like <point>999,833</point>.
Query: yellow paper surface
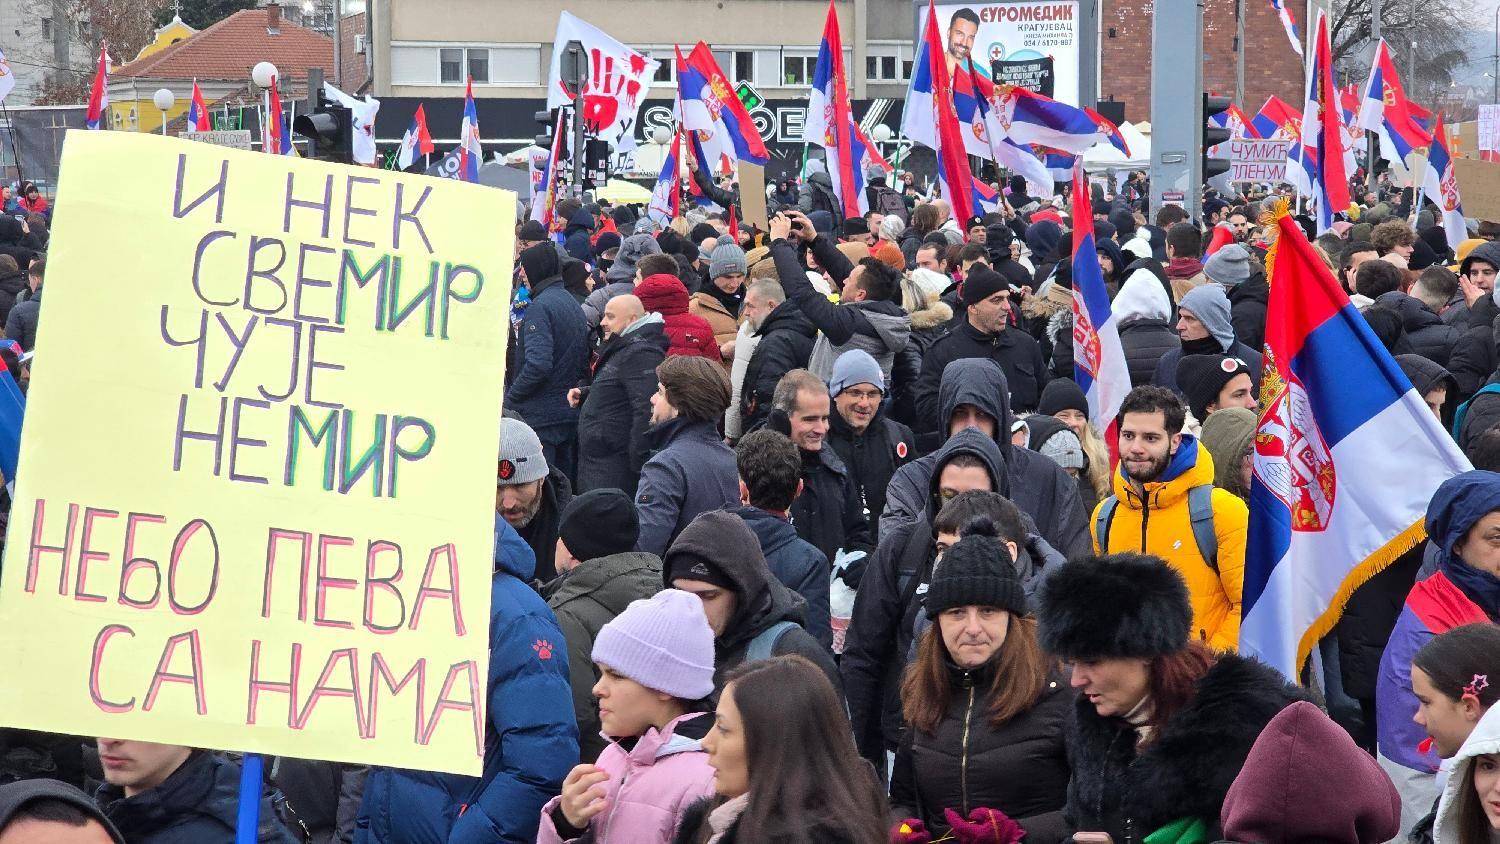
<point>203,646</point>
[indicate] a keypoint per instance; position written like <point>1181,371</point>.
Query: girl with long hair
<point>1064,399</point>
<point>1451,678</point>
<point>785,767</point>
<point>985,708</point>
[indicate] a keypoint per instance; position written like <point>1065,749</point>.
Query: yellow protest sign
<point>254,506</point>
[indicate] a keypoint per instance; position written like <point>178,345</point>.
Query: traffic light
<point>544,138</point>
<point>329,130</point>
<point>1213,135</point>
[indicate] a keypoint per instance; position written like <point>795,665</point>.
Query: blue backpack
<point>1200,511</point>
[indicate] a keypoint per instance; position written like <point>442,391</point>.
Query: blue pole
<point>249,812</point>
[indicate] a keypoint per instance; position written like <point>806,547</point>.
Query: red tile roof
<point>229,48</point>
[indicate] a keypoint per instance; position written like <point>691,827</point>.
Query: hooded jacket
<point>1144,314</point>
<point>1456,594</point>
<point>530,742</point>
<point>584,599</point>
<point>1429,336</point>
<point>553,346</point>
<point>798,564</point>
<point>577,234</point>
<point>1158,522</point>
<point>880,328</point>
<point>1019,767</point>
<point>688,335</point>
<point>1231,432</point>
<point>1248,302</point>
<point>1034,482</point>
<point>1474,355</point>
<point>620,277</point>
<point>1484,740</point>
<point>1018,354</point>
<point>197,803</point>
<point>785,343</point>
<point>1306,780</point>
<point>650,784</point>
<point>816,193</point>
<point>690,472</point>
<point>616,408</point>
<point>760,599</point>
<point>1189,765</point>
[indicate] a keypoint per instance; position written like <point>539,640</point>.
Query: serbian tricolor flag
<point>1285,16</point>
<point>1017,158</point>
<point>1276,120</point>
<point>1322,152</point>
<point>1098,356</point>
<point>197,116</point>
<point>416,141</point>
<point>964,88</point>
<point>947,134</point>
<point>1338,421</point>
<point>544,198</point>
<point>1110,132</point>
<point>99,94</point>
<point>1388,113</point>
<point>1031,118</point>
<point>470,154</point>
<point>666,197</point>
<point>714,114</point>
<point>829,123</point>
<point>1441,186</point>
<point>277,138</point>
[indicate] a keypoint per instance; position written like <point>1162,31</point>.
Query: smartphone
<point>1092,838</point>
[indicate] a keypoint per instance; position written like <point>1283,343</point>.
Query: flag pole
<point>10,129</point>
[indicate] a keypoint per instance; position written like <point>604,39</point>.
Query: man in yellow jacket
<point>1165,504</point>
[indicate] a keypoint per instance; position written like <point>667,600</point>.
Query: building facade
<point>41,39</point>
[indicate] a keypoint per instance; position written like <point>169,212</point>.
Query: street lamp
<point>262,74</point>
<point>164,100</point>
<point>661,136</point>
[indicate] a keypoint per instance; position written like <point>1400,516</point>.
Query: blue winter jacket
<point>531,742</point>
<point>690,472</point>
<point>553,352</point>
<point>798,564</point>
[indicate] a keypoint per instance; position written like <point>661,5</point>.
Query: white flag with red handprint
<point>618,79</point>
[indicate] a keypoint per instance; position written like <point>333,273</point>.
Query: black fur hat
<point>1130,606</point>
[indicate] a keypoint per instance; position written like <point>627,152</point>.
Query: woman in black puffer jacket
<point>985,709</point>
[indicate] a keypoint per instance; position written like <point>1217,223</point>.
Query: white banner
<point>364,122</point>
<point>1252,160</point>
<point>1030,29</point>
<point>1489,128</point>
<point>7,77</point>
<point>618,79</point>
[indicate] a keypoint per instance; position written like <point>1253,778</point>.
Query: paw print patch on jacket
<point>543,648</point>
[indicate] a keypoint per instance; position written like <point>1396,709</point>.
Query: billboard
<point>1030,30</point>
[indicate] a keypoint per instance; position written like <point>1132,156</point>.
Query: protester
<point>1469,810</point>
<point>719,301</point>
<point>1429,335</point>
<point>1165,504</point>
<point>1184,247</point>
<point>784,342</point>
<point>1306,780</point>
<point>770,469</point>
<point>662,292</point>
<point>1214,382</point>
<point>1435,384</point>
<point>615,404</point>
<point>1203,324</point>
<point>691,471</point>
<point>621,276</point>
<point>42,811</point>
<point>530,495</point>
<point>654,664</point>
<point>1463,521</point>
<point>170,794</point>
<point>552,345</point>
<point>869,315</point>
<point>1229,436</point>
<point>21,322</point>
<point>1474,356</point>
<point>1162,724</point>
<point>530,739</point>
<point>32,201</point>
<point>600,574</point>
<point>981,692</point>
<point>1052,438</point>
<point>1143,312</point>
<point>871,445</point>
<point>1064,400</point>
<point>784,768</point>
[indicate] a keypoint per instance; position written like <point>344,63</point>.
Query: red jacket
<point>689,335</point>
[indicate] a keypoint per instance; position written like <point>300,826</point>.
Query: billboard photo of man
<point>963,27</point>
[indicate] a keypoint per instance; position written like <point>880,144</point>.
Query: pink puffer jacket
<point>648,787</point>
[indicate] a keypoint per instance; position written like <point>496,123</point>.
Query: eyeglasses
<point>864,395</point>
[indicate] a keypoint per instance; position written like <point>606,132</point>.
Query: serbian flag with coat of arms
<point>1338,421</point>
<point>1098,356</point>
<point>197,116</point>
<point>1440,185</point>
<point>830,123</point>
<point>721,126</point>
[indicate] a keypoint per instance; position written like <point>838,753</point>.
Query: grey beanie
<point>1229,266</point>
<point>521,458</point>
<point>632,249</point>
<point>855,367</point>
<point>725,259</point>
<point>1064,449</point>
<point>1210,304</point>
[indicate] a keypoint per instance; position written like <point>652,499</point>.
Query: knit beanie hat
<point>1202,377</point>
<point>855,367</point>
<point>605,242</point>
<point>521,458</point>
<point>725,259</point>
<point>976,571</point>
<point>532,230</point>
<point>1064,449</point>
<point>1131,606</point>
<point>1210,304</point>
<point>599,523</point>
<point>889,254</point>
<point>981,284</point>
<point>662,642</point>
<point>1063,394</point>
<point>1230,266</point>
<point>702,232</point>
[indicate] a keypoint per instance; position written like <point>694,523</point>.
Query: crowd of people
<point>837,554</point>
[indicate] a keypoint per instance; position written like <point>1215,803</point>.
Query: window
<point>744,65</point>
<point>798,70</point>
<point>46,29</point>
<point>479,65</point>
<point>906,68</point>
<point>881,68</point>
<point>451,64</point>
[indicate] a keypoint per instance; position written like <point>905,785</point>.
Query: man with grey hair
<point>784,341</point>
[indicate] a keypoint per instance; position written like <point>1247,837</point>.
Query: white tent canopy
<point>1104,157</point>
